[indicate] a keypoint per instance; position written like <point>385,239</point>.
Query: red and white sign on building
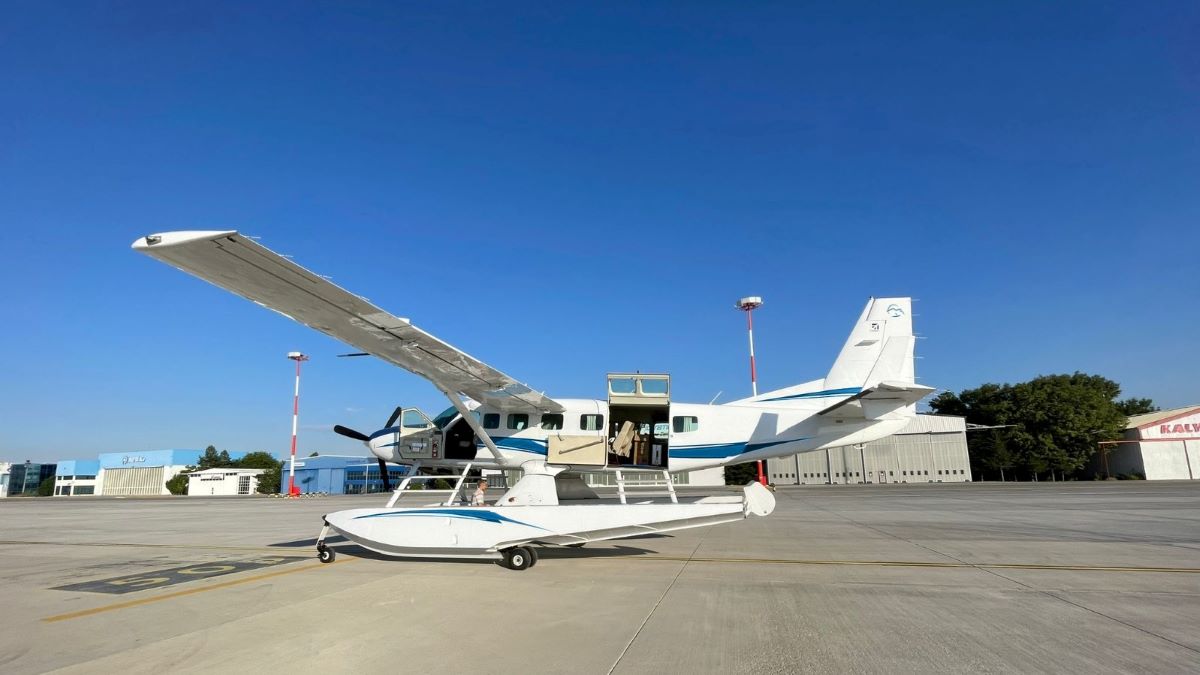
<point>1162,445</point>
<point>1176,425</point>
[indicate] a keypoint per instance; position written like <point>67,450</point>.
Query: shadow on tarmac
<point>544,552</point>
<point>307,543</point>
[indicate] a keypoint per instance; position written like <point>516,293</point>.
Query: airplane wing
<point>875,402</point>
<point>244,267</point>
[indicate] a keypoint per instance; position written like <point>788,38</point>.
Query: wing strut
<point>474,424</point>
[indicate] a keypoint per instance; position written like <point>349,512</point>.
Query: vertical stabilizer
<point>880,348</point>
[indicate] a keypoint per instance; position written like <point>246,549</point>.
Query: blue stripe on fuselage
<point>530,445</point>
<point>722,450</point>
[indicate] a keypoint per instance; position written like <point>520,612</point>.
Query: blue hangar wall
<point>339,474</point>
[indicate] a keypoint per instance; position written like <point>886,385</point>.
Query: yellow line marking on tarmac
<point>914,563</point>
<point>189,591</point>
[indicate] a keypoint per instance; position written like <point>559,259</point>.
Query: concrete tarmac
<point>997,578</point>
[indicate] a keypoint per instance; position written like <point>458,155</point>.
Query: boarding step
<point>643,489</point>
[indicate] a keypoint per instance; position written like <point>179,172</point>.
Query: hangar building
<point>1163,445</point>
<point>932,449</point>
<point>340,475</point>
<point>124,474</point>
<point>24,479</point>
<point>223,482</point>
<point>76,477</point>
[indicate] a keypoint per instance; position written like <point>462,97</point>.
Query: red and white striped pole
<point>294,491</point>
<point>748,305</point>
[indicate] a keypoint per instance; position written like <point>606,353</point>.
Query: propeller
<point>395,416</point>
<point>360,436</point>
<point>383,474</point>
<point>350,433</point>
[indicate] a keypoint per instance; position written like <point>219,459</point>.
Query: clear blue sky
<point>571,190</point>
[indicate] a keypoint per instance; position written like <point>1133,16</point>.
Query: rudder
<point>880,347</point>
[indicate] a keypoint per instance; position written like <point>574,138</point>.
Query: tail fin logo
<point>895,311</point>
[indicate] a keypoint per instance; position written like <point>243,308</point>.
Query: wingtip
<point>165,239</point>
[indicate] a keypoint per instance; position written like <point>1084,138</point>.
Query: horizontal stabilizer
<point>877,401</point>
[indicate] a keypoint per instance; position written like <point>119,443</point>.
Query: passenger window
<point>491,420</point>
<point>552,421</point>
<point>660,429</point>
<point>591,422</point>
<point>518,421</point>
<point>685,423</point>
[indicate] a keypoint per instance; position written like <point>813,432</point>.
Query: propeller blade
<point>395,416</point>
<point>350,433</point>
<point>341,356</point>
<point>383,473</point>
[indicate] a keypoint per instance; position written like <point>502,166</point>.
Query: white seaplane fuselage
<point>708,435</point>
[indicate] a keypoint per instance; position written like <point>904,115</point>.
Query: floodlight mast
<point>748,305</point>
<point>293,491</point>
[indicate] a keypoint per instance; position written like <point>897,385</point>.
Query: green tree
<point>178,485</point>
<point>1136,406</point>
<point>314,453</point>
<point>46,487</point>
<point>257,460</point>
<point>991,450</point>
<point>211,459</point>
<point>1056,421</point>
<point>268,481</point>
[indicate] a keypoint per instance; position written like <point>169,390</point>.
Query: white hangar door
<point>134,481</point>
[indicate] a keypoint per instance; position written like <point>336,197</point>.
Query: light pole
<point>748,305</point>
<point>293,491</point>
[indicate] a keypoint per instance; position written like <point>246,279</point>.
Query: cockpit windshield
<point>445,417</point>
<point>414,419</point>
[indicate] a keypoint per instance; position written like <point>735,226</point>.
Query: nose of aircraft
<point>382,446</point>
<point>380,443</point>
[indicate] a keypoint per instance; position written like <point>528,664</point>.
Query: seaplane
<point>495,422</point>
